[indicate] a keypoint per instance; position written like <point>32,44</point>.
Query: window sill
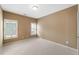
<point>10,37</point>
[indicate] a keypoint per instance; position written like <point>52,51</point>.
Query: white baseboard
<point>73,49</point>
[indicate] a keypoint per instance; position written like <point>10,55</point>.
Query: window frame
<point>11,21</point>
<point>33,28</point>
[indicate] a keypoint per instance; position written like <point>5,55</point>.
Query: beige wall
<point>78,22</point>
<point>60,27</point>
<point>1,27</point>
<point>24,25</point>
<point>78,7</point>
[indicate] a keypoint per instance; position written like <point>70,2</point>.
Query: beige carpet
<point>34,46</point>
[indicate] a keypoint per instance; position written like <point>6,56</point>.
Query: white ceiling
<point>26,9</point>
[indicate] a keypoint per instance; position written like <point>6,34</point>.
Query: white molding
<point>73,49</point>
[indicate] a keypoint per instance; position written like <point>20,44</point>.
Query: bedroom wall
<point>1,27</point>
<point>78,22</point>
<point>60,27</point>
<point>24,25</point>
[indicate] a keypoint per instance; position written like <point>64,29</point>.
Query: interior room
<point>39,29</point>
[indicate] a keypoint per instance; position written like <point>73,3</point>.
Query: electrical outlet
<point>67,42</point>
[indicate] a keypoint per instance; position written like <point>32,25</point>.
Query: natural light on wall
<point>10,29</point>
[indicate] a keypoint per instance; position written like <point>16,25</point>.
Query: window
<point>38,29</point>
<point>33,29</point>
<point>10,29</point>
